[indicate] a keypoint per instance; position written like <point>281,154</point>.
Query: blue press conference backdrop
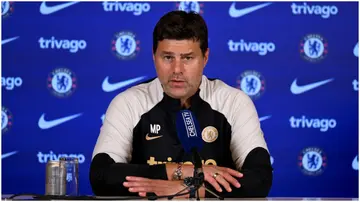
<point>63,62</point>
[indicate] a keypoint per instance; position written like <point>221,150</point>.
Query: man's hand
<point>215,175</point>
<point>159,187</point>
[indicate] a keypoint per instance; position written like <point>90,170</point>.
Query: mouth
<point>177,83</point>
<point>177,80</point>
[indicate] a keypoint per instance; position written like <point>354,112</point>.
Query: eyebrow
<point>186,54</point>
<point>166,53</point>
<point>172,53</point>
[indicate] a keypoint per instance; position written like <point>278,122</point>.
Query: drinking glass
<point>71,165</point>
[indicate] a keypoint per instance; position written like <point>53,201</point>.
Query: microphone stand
<point>198,177</point>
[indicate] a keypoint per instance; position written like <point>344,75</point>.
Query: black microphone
<point>188,131</point>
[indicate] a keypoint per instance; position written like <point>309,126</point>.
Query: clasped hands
<point>214,175</point>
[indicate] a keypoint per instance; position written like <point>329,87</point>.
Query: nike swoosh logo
<point>8,154</point>
<point>356,50</point>
<point>355,163</point>
<point>264,118</point>
<point>5,41</point>
<point>43,124</point>
<point>147,137</point>
<point>46,10</point>
<point>295,89</point>
<point>235,13</point>
<point>102,118</point>
<point>108,87</point>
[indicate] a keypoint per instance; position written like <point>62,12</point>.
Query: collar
<point>172,104</point>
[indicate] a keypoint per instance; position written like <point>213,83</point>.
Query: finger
<point>161,193</point>
<point>231,179</point>
<point>232,172</point>
<point>134,178</point>
<point>213,182</point>
<point>220,179</point>
<point>141,189</point>
<point>136,184</point>
<point>143,194</point>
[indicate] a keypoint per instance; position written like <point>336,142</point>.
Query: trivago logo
<point>135,8</point>
<point>325,11</point>
<point>262,48</point>
<point>11,82</point>
<point>355,84</point>
<point>45,157</point>
<point>72,45</point>
<point>304,122</point>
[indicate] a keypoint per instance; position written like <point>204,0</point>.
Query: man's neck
<point>185,102</point>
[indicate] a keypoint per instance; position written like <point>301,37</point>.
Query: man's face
<point>179,66</point>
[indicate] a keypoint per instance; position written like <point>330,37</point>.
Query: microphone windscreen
<point>188,131</point>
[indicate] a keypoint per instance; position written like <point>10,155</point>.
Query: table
<point>89,197</point>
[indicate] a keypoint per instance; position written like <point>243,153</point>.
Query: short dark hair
<point>180,25</point>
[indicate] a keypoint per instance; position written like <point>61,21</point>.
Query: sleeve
<point>246,132</point>
<point>249,151</point>
<point>112,152</point>
<point>115,137</point>
<point>257,177</point>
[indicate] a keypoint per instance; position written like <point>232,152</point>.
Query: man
<point>138,150</point>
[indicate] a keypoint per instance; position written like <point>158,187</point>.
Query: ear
<point>153,55</point>
<point>206,56</point>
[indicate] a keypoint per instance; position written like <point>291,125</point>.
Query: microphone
<point>188,131</point>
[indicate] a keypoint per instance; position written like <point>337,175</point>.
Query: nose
<point>177,66</point>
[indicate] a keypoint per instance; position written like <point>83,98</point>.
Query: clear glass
<point>71,165</point>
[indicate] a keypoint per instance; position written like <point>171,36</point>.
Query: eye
<point>188,58</point>
<point>167,57</point>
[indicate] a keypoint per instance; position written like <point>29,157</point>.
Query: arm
<point>257,179</point>
<point>107,177</point>
<point>255,182</point>
<point>112,152</point>
<point>249,151</point>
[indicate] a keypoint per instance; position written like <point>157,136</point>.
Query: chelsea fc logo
<point>252,83</point>
<point>312,161</point>
<point>125,46</point>
<point>313,48</point>
<point>6,120</point>
<point>62,82</point>
<point>209,134</point>
<point>190,6</point>
<point>6,8</point>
